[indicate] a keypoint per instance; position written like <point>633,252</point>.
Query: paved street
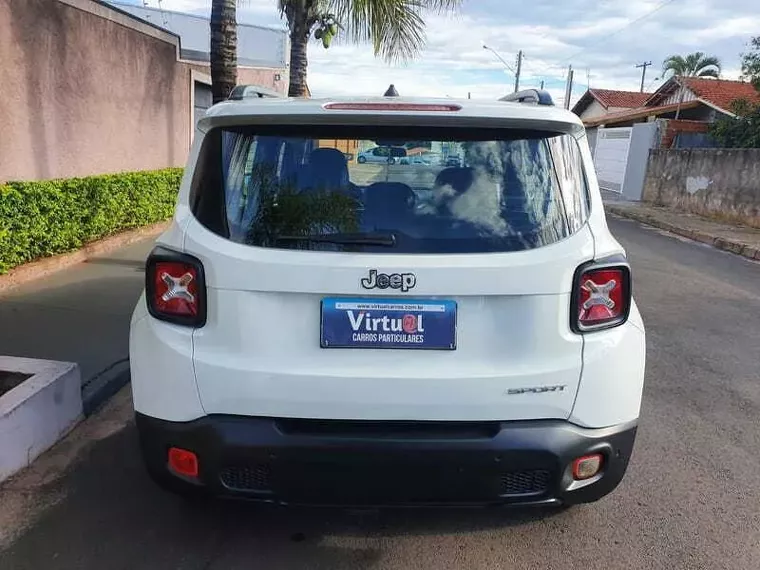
<point>691,499</point>
<point>68,308</point>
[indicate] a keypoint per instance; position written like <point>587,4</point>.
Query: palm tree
<point>695,64</point>
<point>223,52</point>
<point>395,28</point>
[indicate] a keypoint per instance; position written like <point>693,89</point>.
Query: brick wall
<point>674,126</point>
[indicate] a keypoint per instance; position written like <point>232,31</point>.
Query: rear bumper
<point>309,462</point>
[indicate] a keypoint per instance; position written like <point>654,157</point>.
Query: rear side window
<point>389,189</point>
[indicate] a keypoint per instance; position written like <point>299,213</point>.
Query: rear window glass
<point>389,189</point>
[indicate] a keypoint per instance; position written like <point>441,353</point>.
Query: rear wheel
<point>361,160</point>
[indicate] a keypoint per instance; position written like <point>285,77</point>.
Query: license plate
<point>388,323</point>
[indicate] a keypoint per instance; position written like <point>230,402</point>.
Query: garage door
<point>611,157</point>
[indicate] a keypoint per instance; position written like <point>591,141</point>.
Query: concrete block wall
<point>720,183</point>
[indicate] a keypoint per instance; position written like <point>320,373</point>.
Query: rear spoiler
<point>536,96</point>
<point>240,92</point>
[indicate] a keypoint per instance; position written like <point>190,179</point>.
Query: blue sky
<point>602,39</point>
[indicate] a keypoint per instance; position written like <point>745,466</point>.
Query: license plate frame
<point>426,324</point>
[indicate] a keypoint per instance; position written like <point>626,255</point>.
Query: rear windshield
<point>389,189</point>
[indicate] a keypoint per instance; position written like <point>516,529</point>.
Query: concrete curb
<point>38,412</point>
<point>101,387</point>
<point>735,247</point>
<point>38,269</point>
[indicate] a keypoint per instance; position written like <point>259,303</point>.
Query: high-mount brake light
<point>417,107</point>
<point>601,296</point>
<point>175,288</point>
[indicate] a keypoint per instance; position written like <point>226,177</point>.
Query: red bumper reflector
<point>587,466</point>
<point>183,462</point>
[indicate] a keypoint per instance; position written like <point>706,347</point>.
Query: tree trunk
<point>223,49</point>
<point>299,41</point>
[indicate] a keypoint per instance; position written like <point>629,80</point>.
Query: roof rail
<point>538,96</point>
<point>240,92</point>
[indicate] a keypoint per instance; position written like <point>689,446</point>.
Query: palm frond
<point>709,72</point>
<point>710,61</point>
<point>674,64</point>
<point>395,28</point>
<point>693,64</point>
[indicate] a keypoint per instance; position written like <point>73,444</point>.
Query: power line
<point>558,65</point>
<point>629,24</point>
<point>651,83</point>
<point>543,73</point>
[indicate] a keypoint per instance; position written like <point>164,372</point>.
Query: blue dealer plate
<point>388,323</point>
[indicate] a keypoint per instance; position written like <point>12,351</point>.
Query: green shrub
<point>47,217</point>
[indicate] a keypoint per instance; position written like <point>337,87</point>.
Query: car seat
<point>387,205</point>
<point>326,170</point>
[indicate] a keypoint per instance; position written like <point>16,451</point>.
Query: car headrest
<point>386,196</point>
<point>327,169</point>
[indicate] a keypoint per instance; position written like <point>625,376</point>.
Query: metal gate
<point>611,157</point>
<point>202,100</point>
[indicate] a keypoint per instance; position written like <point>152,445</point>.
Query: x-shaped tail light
<point>177,288</point>
<point>602,296</point>
<point>599,294</point>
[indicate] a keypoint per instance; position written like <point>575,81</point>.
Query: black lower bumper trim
<point>389,463</point>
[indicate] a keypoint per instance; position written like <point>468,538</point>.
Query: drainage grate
<point>525,482</point>
<point>248,478</point>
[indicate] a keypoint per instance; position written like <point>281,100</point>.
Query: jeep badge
<point>403,281</point>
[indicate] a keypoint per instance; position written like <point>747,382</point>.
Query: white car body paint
<point>259,352</point>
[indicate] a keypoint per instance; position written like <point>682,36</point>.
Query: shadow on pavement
<point>112,516</point>
<point>137,265</point>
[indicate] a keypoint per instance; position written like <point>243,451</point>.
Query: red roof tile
<point>720,92</point>
<point>625,99</point>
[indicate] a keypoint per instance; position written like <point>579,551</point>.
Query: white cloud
<point>608,37</point>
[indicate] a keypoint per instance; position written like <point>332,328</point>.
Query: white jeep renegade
<point>316,330</point>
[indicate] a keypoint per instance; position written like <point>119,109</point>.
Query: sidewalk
<point>80,314</point>
<point>740,240</point>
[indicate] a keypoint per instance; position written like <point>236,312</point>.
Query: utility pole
<point>519,69</point>
<point>643,67</point>
<point>569,87</point>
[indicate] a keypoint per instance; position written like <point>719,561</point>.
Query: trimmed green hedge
<point>47,217</point>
